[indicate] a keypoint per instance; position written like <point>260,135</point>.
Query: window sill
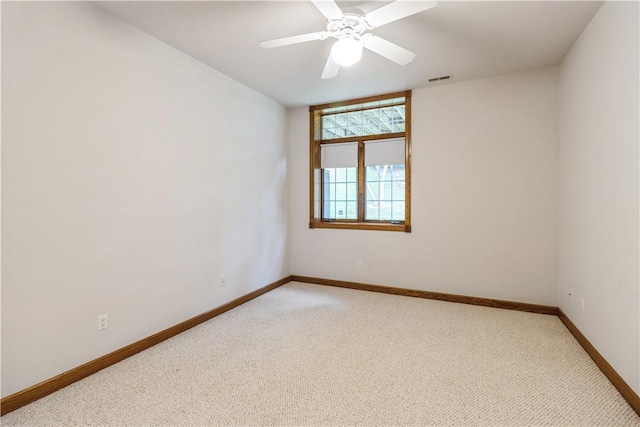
<point>362,226</point>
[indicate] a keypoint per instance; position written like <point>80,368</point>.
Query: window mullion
<point>361,185</point>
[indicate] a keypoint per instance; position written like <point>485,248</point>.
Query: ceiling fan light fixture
<point>346,51</point>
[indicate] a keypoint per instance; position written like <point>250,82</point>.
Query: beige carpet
<point>314,355</point>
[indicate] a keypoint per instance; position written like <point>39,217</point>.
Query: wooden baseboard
<point>38,391</point>
<point>486,302</point>
<point>625,390</point>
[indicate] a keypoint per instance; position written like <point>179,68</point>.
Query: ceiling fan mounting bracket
<point>350,25</point>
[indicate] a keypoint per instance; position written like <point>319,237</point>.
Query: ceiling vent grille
<point>437,79</point>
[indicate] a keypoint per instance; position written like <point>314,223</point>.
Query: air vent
<point>437,79</point>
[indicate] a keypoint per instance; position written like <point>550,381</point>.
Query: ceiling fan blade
<point>284,41</point>
<point>397,10</point>
<point>389,50</point>
<point>331,69</point>
<point>329,9</point>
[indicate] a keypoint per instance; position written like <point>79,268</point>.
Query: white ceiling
<point>464,39</point>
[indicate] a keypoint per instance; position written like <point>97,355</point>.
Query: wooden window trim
<point>361,226</point>
<point>406,94</point>
<point>315,138</point>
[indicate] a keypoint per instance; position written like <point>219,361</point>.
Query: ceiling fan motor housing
<point>351,25</point>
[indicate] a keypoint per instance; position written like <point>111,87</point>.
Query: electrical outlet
<point>360,265</point>
<point>103,321</point>
<point>223,282</point>
<point>581,303</point>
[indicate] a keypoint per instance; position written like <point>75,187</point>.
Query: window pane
<point>385,173</point>
<point>352,175</point>
<point>329,208</point>
<point>385,211</point>
<point>341,210</point>
<point>352,191</point>
<point>355,130</point>
<point>397,211</point>
<point>385,191</point>
<point>398,172</point>
<point>337,192</point>
<point>332,192</point>
<point>341,122</point>
<point>327,122</point>
<point>352,210</point>
<point>398,190</point>
<point>372,190</point>
<point>371,213</point>
<point>372,173</point>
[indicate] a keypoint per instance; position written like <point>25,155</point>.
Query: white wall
<point>599,190</point>
<point>133,178</point>
<point>484,206</point>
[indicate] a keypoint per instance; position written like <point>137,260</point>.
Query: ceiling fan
<point>350,30</point>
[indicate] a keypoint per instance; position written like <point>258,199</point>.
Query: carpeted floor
<point>314,355</point>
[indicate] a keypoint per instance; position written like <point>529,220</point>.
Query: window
<point>361,164</point>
